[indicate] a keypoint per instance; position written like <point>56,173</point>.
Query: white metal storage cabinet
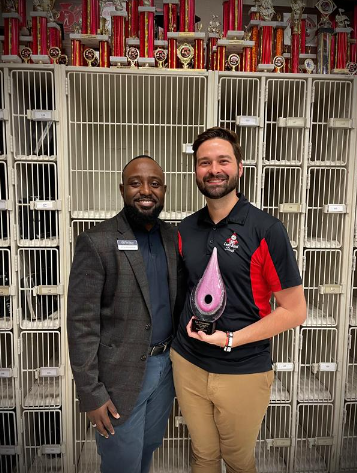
<point>34,207</point>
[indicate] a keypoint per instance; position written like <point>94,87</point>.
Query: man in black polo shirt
<point>223,380</point>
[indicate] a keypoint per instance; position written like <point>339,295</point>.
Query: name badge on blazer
<point>127,245</point>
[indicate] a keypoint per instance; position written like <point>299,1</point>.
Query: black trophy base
<point>201,326</point>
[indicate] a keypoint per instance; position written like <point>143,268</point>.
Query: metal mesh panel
<point>42,437</point>
<point>331,123</point>
<point>114,117</point>
<point>7,380</point>
<point>85,450</point>
<point>38,288</point>
<point>9,460</point>
<point>322,281</point>
<point>239,110</point>
<point>248,183</point>
<point>37,204</point>
<point>284,124</point>
<point>353,300</point>
<point>6,316</point>
<point>317,365</point>
<point>314,438</point>
<point>4,206</point>
<point>283,365</point>
<point>174,454</point>
<point>33,114</point>
<point>326,208</point>
<point>351,382</point>
<point>282,198</point>
<point>79,226</point>
<point>348,458</point>
<point>273,446</point>
<point>40,369</point>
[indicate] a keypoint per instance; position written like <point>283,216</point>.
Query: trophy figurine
<point>208,298</point>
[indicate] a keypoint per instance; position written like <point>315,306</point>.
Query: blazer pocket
<point>106,353</point>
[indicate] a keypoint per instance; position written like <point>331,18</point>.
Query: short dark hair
<point>138,157</point>
<point>223,134</point>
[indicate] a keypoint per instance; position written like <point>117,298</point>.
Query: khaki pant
<point>223,413</point>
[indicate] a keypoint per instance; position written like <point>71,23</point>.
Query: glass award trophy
<point>208,298</point>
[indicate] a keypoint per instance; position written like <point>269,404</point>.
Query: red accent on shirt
<point>180,243</point>
<point>264,278</point>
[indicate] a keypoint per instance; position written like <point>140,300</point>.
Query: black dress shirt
<point>152,250</point>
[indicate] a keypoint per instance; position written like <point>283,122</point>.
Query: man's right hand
<point>99,418</point>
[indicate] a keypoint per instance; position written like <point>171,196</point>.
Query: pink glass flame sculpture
<point>208,298</point>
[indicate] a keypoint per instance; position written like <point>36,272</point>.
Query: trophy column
<point>324,50</point>
<point>341,54</point>
<point>146,36</point>
<point>170,16</point>
<point>253,27</point>
<point>187,15</point>
<point>118,38</point>
<point>39,38</point>
<point>11,37</point>
<point>226,17</point>
<point>199,62</point>
<point>54,36</point>
<point>236,15</point>
<point>132,23</point>
<point>172,54</point>
<point>212,42</point>
<point>90,17</point>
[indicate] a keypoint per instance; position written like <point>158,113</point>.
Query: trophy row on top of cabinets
<point>259,46</point>
<point>43,45</point>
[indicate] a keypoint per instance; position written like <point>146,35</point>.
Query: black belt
<point>160,347</point>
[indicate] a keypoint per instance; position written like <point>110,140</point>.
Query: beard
<point>139,218</point>
<point>226,187</point>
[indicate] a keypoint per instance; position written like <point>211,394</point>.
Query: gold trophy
<point>279,62</point>
<point>133,55</point>
<point>89,56</point>
<point>233,61</point>
<point>160,56</point>
<point>185,53</point>
<point>25,54</point>
<point>55,54</point>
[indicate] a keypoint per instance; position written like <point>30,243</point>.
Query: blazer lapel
<point>135,259</point>
<point>170,250</point>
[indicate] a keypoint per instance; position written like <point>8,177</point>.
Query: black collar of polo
<point>238,214</point>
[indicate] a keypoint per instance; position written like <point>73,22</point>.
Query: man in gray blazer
<point>121,299</point>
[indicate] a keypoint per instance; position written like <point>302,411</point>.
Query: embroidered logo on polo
<point>231,244</point>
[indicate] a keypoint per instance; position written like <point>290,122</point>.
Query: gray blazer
<point>109,320</point>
